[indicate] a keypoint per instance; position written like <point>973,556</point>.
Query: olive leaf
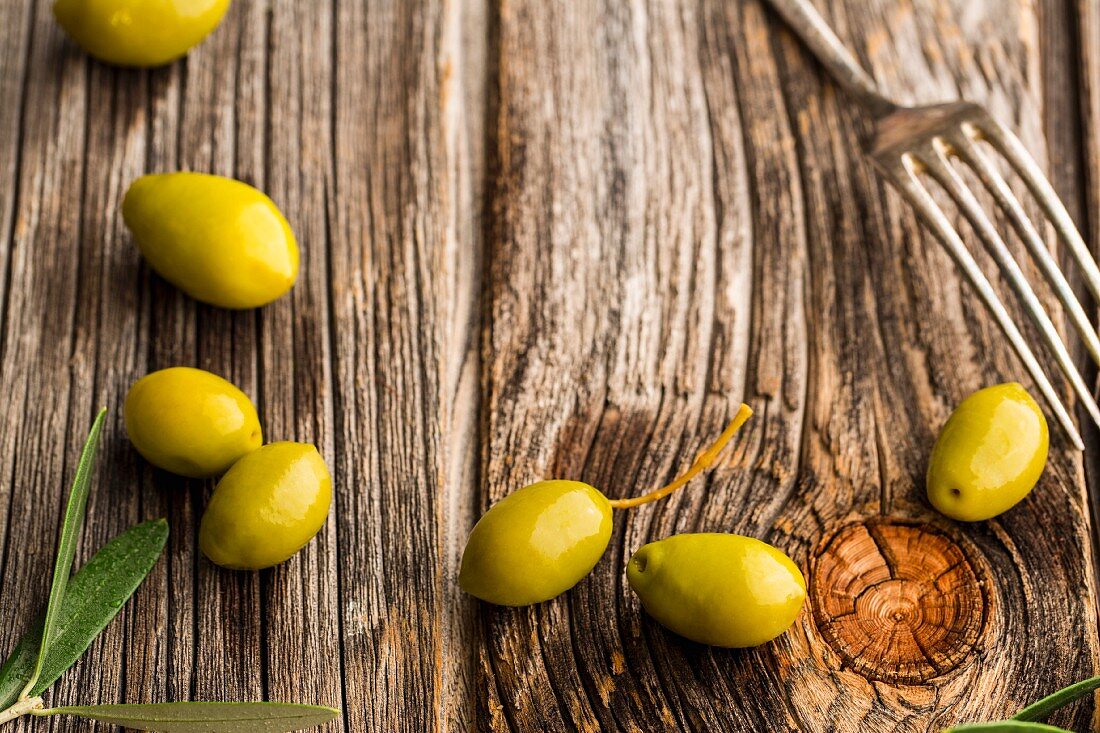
<point>95,595</point>
<point>81,606</point>
<point>1023,721</point>
<point>202,717</point>
<point>1050,703</point>
<point>66,547</point>
<point>1006,726</point>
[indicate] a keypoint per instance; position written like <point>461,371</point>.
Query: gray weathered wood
<point>544,239</point>
<point>617,169</point>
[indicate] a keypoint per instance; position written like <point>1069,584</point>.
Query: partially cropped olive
<point>219,240</point>
<point>191,422</point>
<point>718,589</point>
<point>541,540</point>
<point>989,454</point>
<point>266,507</point>
<point>138,32</point>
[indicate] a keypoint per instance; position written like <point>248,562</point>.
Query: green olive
<point>989,454</point>
<point>219,240</point>
<point>266,507</point>
<point>540,541</point>
<point>138,32</point>
<point>191,422</point>
<point>718,589</point>
<point>536,543</point>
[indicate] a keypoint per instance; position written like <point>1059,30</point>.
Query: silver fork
<point>911,142</point>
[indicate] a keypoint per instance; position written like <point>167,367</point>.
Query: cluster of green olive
<point>989,454</point>
<point>225,243</point>
<point>720,589</point>
<point>271,499</point>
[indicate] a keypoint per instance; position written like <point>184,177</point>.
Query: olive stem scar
<point>705,459</point>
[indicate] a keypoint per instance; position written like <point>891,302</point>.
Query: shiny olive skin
<point>536,543</point>
<point>268,506</point>
<point>138,32</point>
<point>190,422</point>
<point>718,589</point>
<point>989,454</point>
<point>219,240</point>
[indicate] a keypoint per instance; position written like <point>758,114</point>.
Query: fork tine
<point>940,168</point>
<point>965,149</point>
<point>918,196</point>
<point>1008,145</point>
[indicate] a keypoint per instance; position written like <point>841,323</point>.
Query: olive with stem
<point>541,540</point>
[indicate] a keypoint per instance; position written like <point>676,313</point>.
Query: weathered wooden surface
<point>547,239</point>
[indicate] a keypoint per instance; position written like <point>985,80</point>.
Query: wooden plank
<point>228,609</point>
<point>1009,552</point>
<point>1086,23</point>
<point>16,20</point>
<point>464,116</point>
<point>109,353</point>
<point>211,112</point>
<point>609,292</point>
<point>1087,15</point>
<point>390,298</point>
<point>169,321</point>
<point>619,173</point>
<point>301,605</point>
<point>38,333</point>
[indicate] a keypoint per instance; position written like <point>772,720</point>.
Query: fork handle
<point>808,25</point>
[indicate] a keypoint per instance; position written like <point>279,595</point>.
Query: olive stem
<point>21,708</point>
<point>705,459</point>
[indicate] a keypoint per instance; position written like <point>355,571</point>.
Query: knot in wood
<point>898,602</point>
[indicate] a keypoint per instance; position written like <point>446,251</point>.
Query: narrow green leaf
<point>1050,703</point>
<point>95,595</point>
<point>1006,726</point>
<point>66,546</point>
<point>204,717</point>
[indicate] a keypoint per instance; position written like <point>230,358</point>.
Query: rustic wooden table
<point>547,239</point>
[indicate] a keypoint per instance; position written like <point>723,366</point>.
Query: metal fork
<point>911,142</point>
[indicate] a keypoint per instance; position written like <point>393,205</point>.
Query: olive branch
<point>1026,721</point>
<point>81,606</point>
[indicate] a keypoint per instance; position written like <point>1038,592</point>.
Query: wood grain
<point>391,292</point>
<point>851,374</point>
<point>547,239</point>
